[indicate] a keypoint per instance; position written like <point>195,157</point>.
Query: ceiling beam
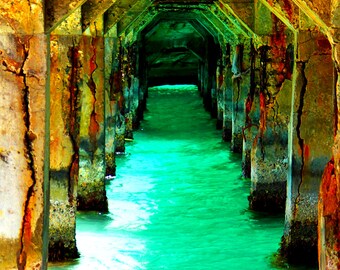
<point>125,13</point>
<point>313,15</point>
<point>278,12</point>
<point>57,11</point>
<point>92,9</point>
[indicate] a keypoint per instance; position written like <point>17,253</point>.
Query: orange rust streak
<point>27,225</point>
<point>306,152</point>
<point>94,126</point>
<point>263,112</point>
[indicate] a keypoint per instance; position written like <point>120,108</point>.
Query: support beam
<point>112,17</point>
<point>310,144</point>
<point>235,23</point>
<point>241,85</point>
<point>135,23</point>
<point>65,93</point>
<point>65,103</point>
<point>320,14</point>
<point>110,61</point>
<point>24,140</point>
<point>227,88</point>
<point>288,13</point>
<point>93,9</point>
<point>56,11</point>
<point>329,203</point>
<point>91,186</point>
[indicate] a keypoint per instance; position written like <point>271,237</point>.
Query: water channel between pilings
<point>178,201</point>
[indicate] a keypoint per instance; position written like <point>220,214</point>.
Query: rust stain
<point>288,8</point>
<point>28,226</point>
<point>74,79</point>
<point>94,126</point>
<point>249,104</point>
<point>328,190</point>
<point>93,59</point>
<point>263,113</point>
<point>306,152</point>
<point>324,44</point>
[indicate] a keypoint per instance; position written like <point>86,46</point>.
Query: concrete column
<point>91,185</point>
<point>130,89</point>
<point>206,91</point>
<point>269,156</point>
<point>220,89</point>
<point>142,75</point>
<point>119,96</point>
<point>310,144</point>
<point>111,47</point>
<point>227,96</point>
<point>329,203</point>
<point>252,111</point>
<point>24,136</point>
<point>66,62</point>
<point>241,83</point>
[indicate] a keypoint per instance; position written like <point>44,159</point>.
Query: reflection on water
<point>178,201</point>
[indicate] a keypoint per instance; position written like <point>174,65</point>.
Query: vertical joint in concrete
<point>298,130</point>
<point>28,140</point>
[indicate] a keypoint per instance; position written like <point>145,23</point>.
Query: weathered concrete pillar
<point>269,157</point>
<point>135,86</point>
<point>111,49</point>
<point>220,89</point>
<point>130,89</point>
<point>227,96</point>
<point>241,83</point>
<point>24,136</point>
<point>91,185</point>
<point>119,96</point>
<point>206,90</point>
<point>329,202</point>
<point>310,144</point>
<point>251,125</point>
<point>142,73</point>
<point>65,95</point>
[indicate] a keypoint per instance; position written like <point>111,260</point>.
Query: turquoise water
<point>178,201</point>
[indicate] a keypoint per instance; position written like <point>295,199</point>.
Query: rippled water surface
<point>178,201</point>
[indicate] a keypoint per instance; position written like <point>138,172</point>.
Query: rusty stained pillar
<point>310,143</point>
<point>65,94</point>
<point>110,62</point>
<point>130,89</point>
<point>227,87</point>
<point>213,84</point>
<point>91,184</point>
<point>137,96</point>
<point>118,83</point>
<point>269,156</point>
<point>252,112</point>
<point>142,75</point>
<point>219,91</point>
<point>329,202</point>
<point>205,81</point>
<point>241,84</point>
<point>24,136</point>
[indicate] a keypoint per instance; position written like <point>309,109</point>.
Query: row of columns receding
<point>78,97</point>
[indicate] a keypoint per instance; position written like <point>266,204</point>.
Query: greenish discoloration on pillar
<point>65,93</point>
<point>92,170</point>
<point>312,129</point>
